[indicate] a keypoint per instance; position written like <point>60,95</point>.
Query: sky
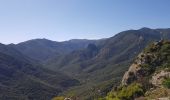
<point>61,20</point>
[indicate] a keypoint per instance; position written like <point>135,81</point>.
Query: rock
<point>67,99</point>
<point>136,71</point>
<point>143,66</point>
<point>165,98</point>
<point>157,78</point>
<point>130,75</point>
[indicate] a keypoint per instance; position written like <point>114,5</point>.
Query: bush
<point>165,48</point>
<point>127,93</point>
<point>58,98</point>
<point>166,83</point>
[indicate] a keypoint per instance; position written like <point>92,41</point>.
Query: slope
<point>108,60</point>
<point>148,76</point>
<point>22,80</point>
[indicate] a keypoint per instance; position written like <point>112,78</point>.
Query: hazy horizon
<point>62,20</point>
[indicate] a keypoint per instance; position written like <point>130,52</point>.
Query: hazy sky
<point>60,20</point>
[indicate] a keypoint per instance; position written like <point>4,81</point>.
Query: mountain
<point>120,47</point>
<point>43,49</point>
<point>20,79</point>
<point>107,61</point>
<point>97,64</point>
<point>148,77</point>
<point>10,50</point>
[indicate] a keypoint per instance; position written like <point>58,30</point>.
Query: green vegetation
<point>157,93</point>
<point>126,93</point>
<point>166,83</point>
<point>22,80</point>
<point>87,92</point>
<point>58,98</point>
<point>165,47</point>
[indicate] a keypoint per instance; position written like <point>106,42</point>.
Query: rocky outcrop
<point>138,69</point>
<point>151,70</point>
<point>144,65</point>
<point>130,75</point>
<point>159,77</point>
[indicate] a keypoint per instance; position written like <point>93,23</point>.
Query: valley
<point>41,69</point>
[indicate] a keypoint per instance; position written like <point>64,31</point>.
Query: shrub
<point>131,91</point>
<point>58,98</point>
<point>127,93</point>
<point>166,83</point>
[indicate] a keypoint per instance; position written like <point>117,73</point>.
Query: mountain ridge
<point>36,47</point>
<point>114,56</point>
<point>96,64</point>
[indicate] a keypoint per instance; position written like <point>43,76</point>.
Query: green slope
<point>22,80</point>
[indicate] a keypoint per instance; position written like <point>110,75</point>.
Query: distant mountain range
<point>43,49</point>
<point>47,68</point>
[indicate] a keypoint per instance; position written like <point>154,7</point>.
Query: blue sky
<point>60,20</point>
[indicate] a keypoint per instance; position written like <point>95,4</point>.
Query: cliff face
<point>148,76</point>
<point>144,65</point>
